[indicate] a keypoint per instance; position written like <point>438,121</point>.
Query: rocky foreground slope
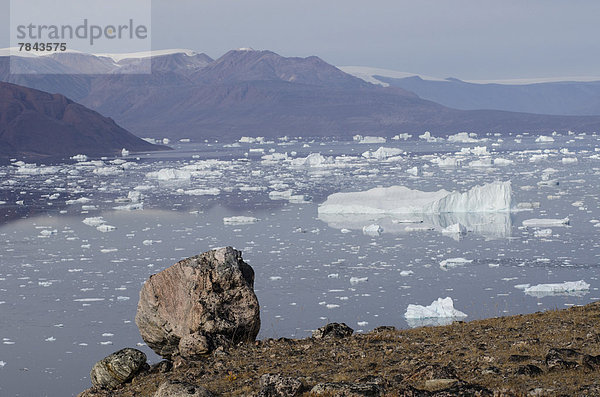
<point>556,353</point>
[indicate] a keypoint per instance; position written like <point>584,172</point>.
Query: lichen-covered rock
<point>343,389</point>
<point>275,385</point>
<point>210,295</point>
<point>181,389</point>
<point>333,330</point>
<point>117,368</point>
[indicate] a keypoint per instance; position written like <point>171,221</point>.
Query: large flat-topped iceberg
<point>492,197</point>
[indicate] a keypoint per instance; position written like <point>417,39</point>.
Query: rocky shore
<point>555,353</point>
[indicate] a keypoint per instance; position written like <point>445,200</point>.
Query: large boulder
<point>117,368</point>
<point>208,298</point>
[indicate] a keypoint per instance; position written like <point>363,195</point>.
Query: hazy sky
<point>468,39</point>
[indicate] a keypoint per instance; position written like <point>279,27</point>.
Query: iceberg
<point>545,222</point>
<point>383,153</point>
<point>493,197</point>
<point>372,230</point>
<point>543,139</point>
<point>312,160</point>
<point>463,137</point>
<point>453,262</point>
<point>369,139</point>
<point>572,288</point>
<point>94,221</point>
<point>440,312</point>
<point>239,220</point>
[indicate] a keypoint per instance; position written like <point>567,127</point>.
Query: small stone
<point>117,368</point>
<point>518,358</point>
<point>439,384</point>
<point>275,385</point>
<point>333,330</point>
<point>181,389</point>
<point>384,328</point>
<point>529,370</point>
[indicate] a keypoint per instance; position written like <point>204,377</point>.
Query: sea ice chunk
<point>312,160</point>
<point>372,230</point>
<point>382,153</point>
<point>239,220</point>
<point>369,139</point>
<point>105,228</point>
<point>567,288</point>
<point>453,262</point>
<point>94,221</point>
<point>441,308</point>
<point>169,174</point>
<point>356,280</point>
<point>546,222</point>
<point>543,139</point>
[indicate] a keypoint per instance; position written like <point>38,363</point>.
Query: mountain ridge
<point>260,92</point>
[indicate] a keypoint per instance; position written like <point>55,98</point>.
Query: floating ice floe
<point>105,228</point>
<point>448,162</point>
<point>569,160</point>
<point>427,137</point>
<point>403,136</point>
<point>542,233</point>
<point>239,220</point>
<point>572,288</point>
<point>372,230</point>
<point>501,161</point>
<point>477,151</point>
<point>169,174</point>
<point>383,153</point>
<point>249,139</point>
<point>463,137</point>
<point>368,139</point>
<point>356,280</point>
<point>493,197</point>
<point>79,157</point>
<point>546,222</point>
<point>200,192</point>
<point>544,139</point>
<point>454,262</point>
<point>81,200</point>
<point>94,221</point>
<point>2,363</point>
<point>312,160</point>
<point>440,312</point>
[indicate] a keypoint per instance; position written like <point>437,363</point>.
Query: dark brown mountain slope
<point>35,123</point>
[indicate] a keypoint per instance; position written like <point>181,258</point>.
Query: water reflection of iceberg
<point>490,224</point>
<point>431,322</point>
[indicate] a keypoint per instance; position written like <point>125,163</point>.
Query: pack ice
<point>492,197</point>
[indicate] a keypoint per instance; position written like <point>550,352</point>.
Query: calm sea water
<point>68,291</point>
